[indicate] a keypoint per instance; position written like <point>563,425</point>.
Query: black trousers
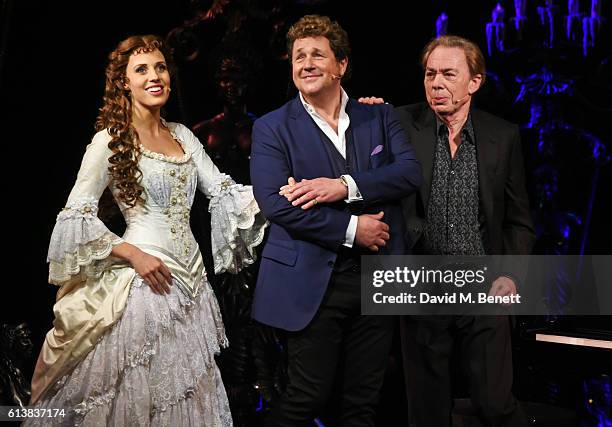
<point>341,348</point>
<point>486,358</point>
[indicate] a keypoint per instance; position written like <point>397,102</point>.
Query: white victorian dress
<point>120,354</point>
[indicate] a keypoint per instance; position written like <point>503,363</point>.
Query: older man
<point>352,164</point>
<point>473,202</point>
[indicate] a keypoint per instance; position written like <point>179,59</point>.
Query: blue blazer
<point>299,255</point>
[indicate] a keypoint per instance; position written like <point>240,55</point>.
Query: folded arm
<point>269,172</point>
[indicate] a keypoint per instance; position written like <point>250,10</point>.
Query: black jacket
<point>501,175</point>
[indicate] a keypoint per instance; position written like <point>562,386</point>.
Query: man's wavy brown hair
<point>322,26</point>
<point>116,116</point>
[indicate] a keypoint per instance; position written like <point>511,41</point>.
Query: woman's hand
<point>153,271</point>
<point>149,267</point>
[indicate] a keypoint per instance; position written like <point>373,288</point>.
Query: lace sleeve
<point>237,224</point>
<point>79,237</point>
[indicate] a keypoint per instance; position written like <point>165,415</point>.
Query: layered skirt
<point>154,367</point>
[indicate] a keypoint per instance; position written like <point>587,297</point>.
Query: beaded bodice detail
<point>169,185</point>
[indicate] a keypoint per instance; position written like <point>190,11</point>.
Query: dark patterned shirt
<point>452,224</point>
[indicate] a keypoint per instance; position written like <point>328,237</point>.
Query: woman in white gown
<point>137,324</point>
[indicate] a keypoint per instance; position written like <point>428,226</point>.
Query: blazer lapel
<point>487,156</point>
<point>307,137</point>
<point>363,133</point>
<point>424,144</point>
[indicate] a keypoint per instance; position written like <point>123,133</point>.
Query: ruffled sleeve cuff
<point>237,225</point>
<point>79,239</point>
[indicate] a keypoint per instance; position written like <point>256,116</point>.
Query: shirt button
<point>450,225</point>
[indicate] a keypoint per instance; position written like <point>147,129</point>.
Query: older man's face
<point>448,83</point>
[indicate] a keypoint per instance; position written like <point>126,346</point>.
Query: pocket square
<point>376,150</point>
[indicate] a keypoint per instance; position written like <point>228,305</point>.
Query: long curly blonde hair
<point>116,117</point>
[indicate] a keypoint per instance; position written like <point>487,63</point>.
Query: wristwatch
<point>343,181</point>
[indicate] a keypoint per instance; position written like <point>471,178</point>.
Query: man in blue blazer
<point>329,174</point>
